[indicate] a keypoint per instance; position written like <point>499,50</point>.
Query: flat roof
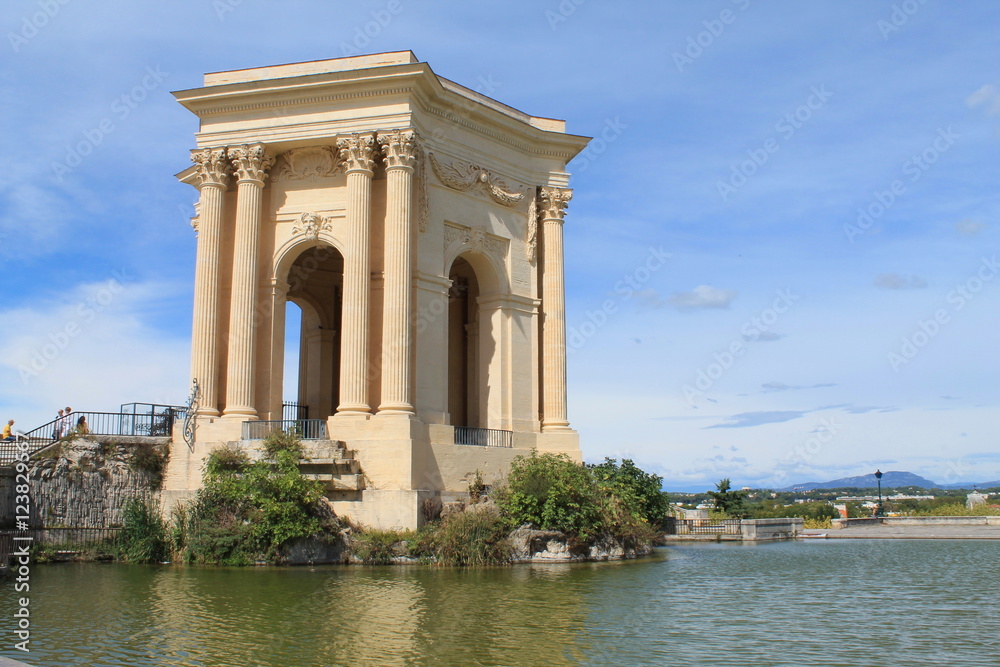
<point>312,67</point>
<point>352,63</point>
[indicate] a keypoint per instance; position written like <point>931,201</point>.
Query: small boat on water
<point>813,535</point>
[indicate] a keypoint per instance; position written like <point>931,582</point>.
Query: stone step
<point>336,482</point>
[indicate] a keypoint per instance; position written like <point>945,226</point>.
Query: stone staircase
<point>330,461</point>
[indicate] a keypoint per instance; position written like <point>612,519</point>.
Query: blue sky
<point>781,251</point>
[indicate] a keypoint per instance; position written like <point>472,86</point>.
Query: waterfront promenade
<point>909,532</point>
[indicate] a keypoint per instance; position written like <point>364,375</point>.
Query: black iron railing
<point>70,539</point>
<point>705,527</point>
<point>306,429</point>
<point>292,411</point>
<point>483,437</point>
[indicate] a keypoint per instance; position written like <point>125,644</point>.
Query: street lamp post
<point>878,478</point>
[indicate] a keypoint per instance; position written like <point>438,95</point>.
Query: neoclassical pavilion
<point>417,225</point>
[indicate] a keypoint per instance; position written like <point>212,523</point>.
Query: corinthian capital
<point>213,169</point>
<point>399,148</point>
<point>357,151</point>
<point>553,202</point>
<point>250,162</point>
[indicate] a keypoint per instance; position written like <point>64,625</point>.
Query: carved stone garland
<point>469,177</point>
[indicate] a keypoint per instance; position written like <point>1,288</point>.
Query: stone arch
<point>491,270</point>
<point>474,340</point>
<point>310,274</point>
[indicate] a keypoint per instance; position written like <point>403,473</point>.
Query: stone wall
<point>770,529</point>
<point>86,482</point>
<point>919,521</point>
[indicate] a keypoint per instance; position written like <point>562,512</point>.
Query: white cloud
<point>988,96</point>
<point>969,227</point>
<point>897,281</point>
<point>703,296</point>
<point>90,349</point>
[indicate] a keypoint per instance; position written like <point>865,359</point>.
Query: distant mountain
<point>890,479</point>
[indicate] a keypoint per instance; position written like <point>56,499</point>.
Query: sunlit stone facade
<point>419,227</point>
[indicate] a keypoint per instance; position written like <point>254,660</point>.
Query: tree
<point>640,492</point>
<point>733,503</point>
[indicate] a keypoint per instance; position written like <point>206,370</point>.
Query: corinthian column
<point>250,164</point>
<point>356,151</point>
<point>553,203</point>
<point>399,148</point>
<point>212,177</point>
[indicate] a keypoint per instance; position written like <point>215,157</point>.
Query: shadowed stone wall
<point>85,483</point>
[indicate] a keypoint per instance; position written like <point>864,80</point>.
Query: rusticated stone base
<point>86,482</point>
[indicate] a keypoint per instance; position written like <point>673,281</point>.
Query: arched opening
<point>464,380</point>
<point>313,308</point>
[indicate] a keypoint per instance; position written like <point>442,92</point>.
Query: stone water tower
<point>418,227</point>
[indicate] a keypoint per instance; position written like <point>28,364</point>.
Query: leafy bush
<point>587,503</point>
<point>247,510</point>
<point>277,442</point>
<point>143,539</point>
<point>474,537</point>
<point>552,492</point>
<point>640,493</point>
<point>377,547</point>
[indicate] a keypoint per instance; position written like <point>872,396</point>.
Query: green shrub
<point>473,537</point>
<point>377,547</point>
<point>640,493</point>
<point>143,539</point>
<point>247,510</point>
<point>552,492</point>
<point>280,441</point>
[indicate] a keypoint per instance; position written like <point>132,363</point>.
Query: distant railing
<point>154,424</point>
<point>704,527</point>
<point>483,437</point>
<point>73,539</point>
<point>306,429</point>
<point>292,411</point>
<point>152,409</point>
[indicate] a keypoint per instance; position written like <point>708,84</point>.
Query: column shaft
<point>250,164</point>
<point>397,344</point>
<point>212,169</point>
<point>554,414</point>
<point>357,152</point>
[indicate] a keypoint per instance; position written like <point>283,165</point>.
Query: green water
<point>834,602</point>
